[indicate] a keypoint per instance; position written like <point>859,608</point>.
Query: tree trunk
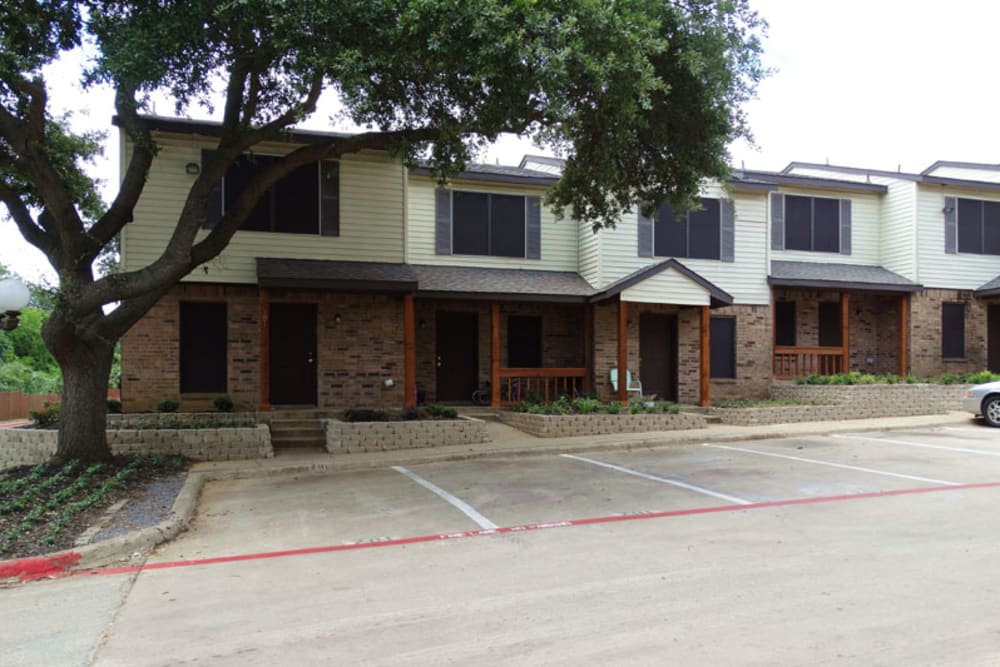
<point>86,368</point>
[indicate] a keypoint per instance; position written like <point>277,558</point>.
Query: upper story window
<point>485,223</point>
<point>978,226</point>
<point>812,224</point>
<point>305,201</point>
<point>695,234</point>
<point>708,233</point>
<point>488,224</point>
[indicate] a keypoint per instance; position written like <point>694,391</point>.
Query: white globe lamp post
<point>14,296</point>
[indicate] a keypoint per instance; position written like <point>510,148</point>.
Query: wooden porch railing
<point>794,362</point>
<point>517,384</point>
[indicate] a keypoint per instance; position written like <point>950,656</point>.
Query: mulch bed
<point>45,508</point>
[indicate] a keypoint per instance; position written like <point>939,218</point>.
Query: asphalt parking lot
<point>873,548</point>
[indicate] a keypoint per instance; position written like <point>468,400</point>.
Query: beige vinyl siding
<point>590,253</point>
<point>559,238</point>
<point>968,174</point>
<point>897,231</point>
<point>668,286</point>
<point>745,278</point>
<point>936,268</point>
<point>864,230</point>
<point>371,216</point>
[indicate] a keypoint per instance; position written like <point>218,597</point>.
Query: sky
<point>883,84</point>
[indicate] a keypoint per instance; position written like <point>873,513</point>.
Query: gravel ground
<point>144,509</point>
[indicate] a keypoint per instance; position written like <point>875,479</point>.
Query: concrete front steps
<point>297,428</point>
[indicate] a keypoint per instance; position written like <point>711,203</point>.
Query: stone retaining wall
<point>346,437</point>
<point>864,401</point>
<point>21,446</point>
<point>558,426</point>
<point>783,414</point>
<point>145,420</point>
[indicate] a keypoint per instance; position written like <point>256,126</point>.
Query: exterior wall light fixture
<point>192,168</point>
<point>14,296</point>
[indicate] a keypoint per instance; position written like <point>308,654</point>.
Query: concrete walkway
<point>507,441</point>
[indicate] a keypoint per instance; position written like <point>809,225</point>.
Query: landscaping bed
<point>397,431</point>
<point>45,508</point>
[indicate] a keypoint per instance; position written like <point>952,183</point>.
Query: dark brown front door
<point>457,356</point>
<point>293,354</point>
<point>658,355</point>
<point>993,337</point>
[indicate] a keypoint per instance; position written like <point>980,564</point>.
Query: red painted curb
<point>39,567</point>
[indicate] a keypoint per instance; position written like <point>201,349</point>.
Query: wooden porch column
<point>774,330</point>
<point>495,355</point>
<point>705,373</point>
<point>904,334</point>
<point>264,320</point>
<point>588,347</point>
<point>845,332</point>
<point>409,353</point>
<point>622,351</point>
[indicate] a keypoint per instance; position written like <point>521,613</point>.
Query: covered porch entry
<point>837,318</point>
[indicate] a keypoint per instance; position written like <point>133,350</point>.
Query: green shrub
<point>442,412</point>
<point>415,413</point>
<point>614,408</point>
<point>365,415</point>
<point>114,406</point>
<point>223,404</point>
<point>47,417</point>
<point>168,405</point>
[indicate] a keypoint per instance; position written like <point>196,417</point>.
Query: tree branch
<point>34,234</point>
<point>143,150</point>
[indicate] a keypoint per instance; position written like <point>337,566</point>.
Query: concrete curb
<point>136,545</point>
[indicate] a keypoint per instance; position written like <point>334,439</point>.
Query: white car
<point>984,399</point>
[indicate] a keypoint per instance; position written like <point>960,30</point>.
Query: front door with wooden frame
<point>993,337</point>
<point>658,355</point>
<point>293,353</point>
<point>457,355</point>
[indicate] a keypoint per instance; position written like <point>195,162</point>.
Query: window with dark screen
<point>812,224</point>
<point>524,341</point>
<point>203,348</point>
<point>978,226</point>
<point>953,330</point>
<point>784,323</point>
<point>830,330</point>
<point>304,201</point>
<point>488,224</point>
<point>695,234</point>
<point>723,347</point>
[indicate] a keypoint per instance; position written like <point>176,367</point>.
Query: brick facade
<point>925,319</point>
<point>359,346</point>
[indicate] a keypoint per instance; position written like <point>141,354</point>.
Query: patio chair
<point>632,384</point>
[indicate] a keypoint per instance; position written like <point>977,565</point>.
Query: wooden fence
<point>16,405</point>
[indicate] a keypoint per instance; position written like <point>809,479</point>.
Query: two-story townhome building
<point>361,283</point>
<point>940,229</point>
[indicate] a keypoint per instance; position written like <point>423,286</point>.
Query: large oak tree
<point>642,97</point>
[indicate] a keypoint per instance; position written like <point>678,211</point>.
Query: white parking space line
<point>834,465</point>
<point>458,503</point>
<point>907,443</point>
<point>662,480</point>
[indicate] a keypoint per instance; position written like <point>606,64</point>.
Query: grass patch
<point>43,508</point>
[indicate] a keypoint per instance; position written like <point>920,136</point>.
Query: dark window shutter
<point>777,221</point>
<point>728,253</point>
<point>845,226</point>
<point>213,212</point>
<point>203,347</point>
<point>645,234</point>
<point>533,243</point>
<point>953,330</point>
<point>329,173</point>
<point>950,225</point>
<point>442,221</point>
